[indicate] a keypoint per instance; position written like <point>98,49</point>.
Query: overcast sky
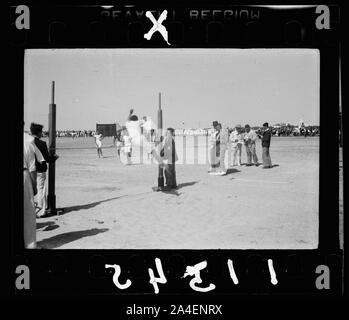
<point>198,86</point>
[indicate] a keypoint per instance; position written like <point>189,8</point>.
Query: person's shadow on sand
<point>186,184</point>
<point>179,186</point>
<point>64,238</point>
<point>231,170</point>
<point>84,206</point>
<point>46,224</point>
<point>50,228</point>
<point>273,166</point>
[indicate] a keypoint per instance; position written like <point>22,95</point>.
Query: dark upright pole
<point>161,171</point>
<point>51,198</point>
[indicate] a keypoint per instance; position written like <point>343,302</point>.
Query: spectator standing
<point>266,138</point>
<point>98,140</point>
<point>41,167</point>
<point>214,148</point>
<point>250,138</point>
<point>169,156</point>
<point>223,143</point>
<point>236,138</point>
<point>30,152</point>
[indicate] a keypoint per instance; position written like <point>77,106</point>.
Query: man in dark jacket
<point>214,148</point>
<point>41,167</point>
<point>266,137</point>
<point>223,147</point>
<point>169,157</point>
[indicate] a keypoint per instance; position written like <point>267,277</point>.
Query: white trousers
<point>29,217</point>
<point>41,195</point>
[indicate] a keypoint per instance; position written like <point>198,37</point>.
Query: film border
<point>52,271</point>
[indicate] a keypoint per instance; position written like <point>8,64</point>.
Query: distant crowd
<point>72,133</point>
<point>276,131</point>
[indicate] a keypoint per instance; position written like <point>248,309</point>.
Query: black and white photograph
<point>171,148</point>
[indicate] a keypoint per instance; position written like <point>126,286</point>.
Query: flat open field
<point>108,205</point>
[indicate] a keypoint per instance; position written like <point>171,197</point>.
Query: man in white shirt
<point>127,148</point>
<point>98,141</point>
<point>250,138</point>
<point>30,151</point>
<point>236,138</point>
<point>134,128</point>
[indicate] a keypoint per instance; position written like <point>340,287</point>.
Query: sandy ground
<point>108,205</point>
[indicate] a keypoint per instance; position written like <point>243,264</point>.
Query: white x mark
<point>157,25</point>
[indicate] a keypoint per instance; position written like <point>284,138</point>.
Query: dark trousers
<point>170,175</point>
<point>266,157</point>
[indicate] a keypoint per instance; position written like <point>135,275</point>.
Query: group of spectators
<point>275,131</point>
<point>240,136</point>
